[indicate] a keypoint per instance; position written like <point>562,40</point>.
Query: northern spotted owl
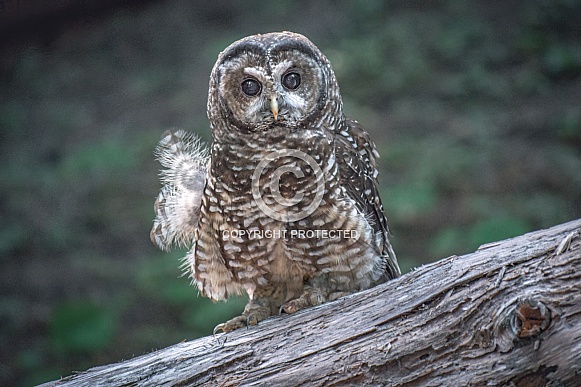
<point>284,207</point>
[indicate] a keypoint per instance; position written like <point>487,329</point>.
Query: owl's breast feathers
<point>239,247</point>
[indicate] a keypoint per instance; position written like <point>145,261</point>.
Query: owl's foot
<point>235,323</point>
<point>254,312</point>
<point>310,297</point>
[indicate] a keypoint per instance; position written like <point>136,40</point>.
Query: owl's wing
<point>177,208</point>
<point>356,155</point>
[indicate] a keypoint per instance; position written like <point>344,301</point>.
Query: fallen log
<point>507,314</point>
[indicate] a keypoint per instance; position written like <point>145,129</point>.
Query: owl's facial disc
<point>278,87</point>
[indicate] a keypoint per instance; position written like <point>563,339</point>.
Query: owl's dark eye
<point>291,80</point>
<point>251,87</point>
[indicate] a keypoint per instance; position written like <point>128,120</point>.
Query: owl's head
<point>272,80</point>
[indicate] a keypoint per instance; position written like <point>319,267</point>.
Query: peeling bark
<point>507,314</point>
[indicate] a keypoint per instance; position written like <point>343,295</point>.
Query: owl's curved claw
<point>236,323</point>
<point>251,320</point>
<point>218,328</point>
<point>311,296</point>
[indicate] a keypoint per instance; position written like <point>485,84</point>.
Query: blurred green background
<point>475,107</point>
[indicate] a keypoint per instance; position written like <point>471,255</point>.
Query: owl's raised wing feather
<point>356,154</point>
<point>177,207</point>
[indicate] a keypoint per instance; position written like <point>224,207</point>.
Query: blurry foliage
<point>80,327</point>
<point>474,108</point>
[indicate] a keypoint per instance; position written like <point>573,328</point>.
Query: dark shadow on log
<point>508,314</point>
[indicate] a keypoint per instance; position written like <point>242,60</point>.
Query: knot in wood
<point>529,318</point>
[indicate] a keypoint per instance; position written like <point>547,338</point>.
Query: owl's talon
<point>218,328</point>
<point>310,297</point>
<point>232,324</point>
<point>251,316</point>
<point>251,320</point>
<point>294,305</point>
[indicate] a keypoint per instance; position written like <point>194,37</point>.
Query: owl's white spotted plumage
<point>275,94</point>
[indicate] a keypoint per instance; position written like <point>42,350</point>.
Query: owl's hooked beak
<point>274,106</point>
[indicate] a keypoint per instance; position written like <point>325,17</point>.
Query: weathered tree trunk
<point>508,314</point>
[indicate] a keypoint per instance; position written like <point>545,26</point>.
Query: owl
<point>284,206</point>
